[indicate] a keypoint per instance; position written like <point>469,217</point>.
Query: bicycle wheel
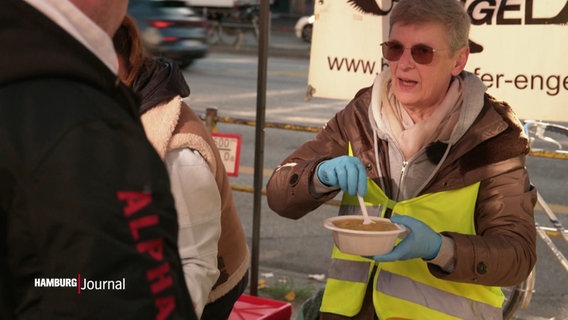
<point>255,21</point>
<point>518,296</point>
<point>230,35</point>
<point>213,33</point>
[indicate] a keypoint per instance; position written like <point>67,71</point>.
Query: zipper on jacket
<point>402,178</point>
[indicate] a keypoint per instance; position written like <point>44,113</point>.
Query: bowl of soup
<point>353,237</point>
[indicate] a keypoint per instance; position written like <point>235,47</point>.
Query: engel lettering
<point>509,12</point>
<point>489,12</point>
<point>552,84</point>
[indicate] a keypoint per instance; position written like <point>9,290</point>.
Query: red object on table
<point>257,308</point>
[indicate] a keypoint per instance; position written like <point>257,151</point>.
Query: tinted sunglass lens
<point>422,54</point>
<point>392,51</point>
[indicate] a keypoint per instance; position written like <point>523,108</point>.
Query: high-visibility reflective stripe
<point>458,306</point>
<point>346,209</point>
<point>347,270</point>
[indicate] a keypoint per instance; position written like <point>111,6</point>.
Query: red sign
<point>229,146</point>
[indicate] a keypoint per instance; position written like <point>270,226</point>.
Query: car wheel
<point>307,33</point>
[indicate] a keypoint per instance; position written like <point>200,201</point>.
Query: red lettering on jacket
<point>153,247</point>
<point>160,278</point>
<point>165,307</point>
<point>135,201</point>
<point>143,222</point>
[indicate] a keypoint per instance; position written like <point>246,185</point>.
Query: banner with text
<point>519,51</point>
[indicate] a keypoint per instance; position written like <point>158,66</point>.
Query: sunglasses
<point>421,53</point>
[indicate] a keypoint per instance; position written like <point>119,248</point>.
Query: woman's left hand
<point>420,242</point>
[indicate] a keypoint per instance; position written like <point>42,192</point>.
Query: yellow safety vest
<point>406,289</point>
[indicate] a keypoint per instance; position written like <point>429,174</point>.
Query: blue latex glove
<point>420,242</point>
<point>344,172</point>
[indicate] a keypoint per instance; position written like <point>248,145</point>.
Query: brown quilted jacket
<point>491,151</point>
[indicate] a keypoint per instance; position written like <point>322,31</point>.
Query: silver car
<point>170,29</point>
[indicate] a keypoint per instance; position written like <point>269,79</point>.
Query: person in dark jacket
<point>88,227</point>
<point>212,241</point>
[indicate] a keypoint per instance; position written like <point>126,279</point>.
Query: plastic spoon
<point>366,219</point>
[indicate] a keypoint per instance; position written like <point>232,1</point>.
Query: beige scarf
<point>411,137</point>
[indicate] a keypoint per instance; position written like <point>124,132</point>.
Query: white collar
<point>81,27</point>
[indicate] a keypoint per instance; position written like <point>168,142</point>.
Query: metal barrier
<point>211,119</point>
<point>542,153</point>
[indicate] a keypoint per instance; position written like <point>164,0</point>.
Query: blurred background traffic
<point>184,30</point>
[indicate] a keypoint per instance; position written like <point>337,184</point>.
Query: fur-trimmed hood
<point>160,124</point>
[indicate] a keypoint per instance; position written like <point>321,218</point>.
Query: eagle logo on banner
<point>372,7</point>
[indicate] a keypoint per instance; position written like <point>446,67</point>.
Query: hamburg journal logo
<point>81,284</point>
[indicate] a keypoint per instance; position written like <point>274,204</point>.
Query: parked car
<point>170,29</point>
<point>304,27</point>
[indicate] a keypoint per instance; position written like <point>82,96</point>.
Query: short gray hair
<point>450,13</point>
